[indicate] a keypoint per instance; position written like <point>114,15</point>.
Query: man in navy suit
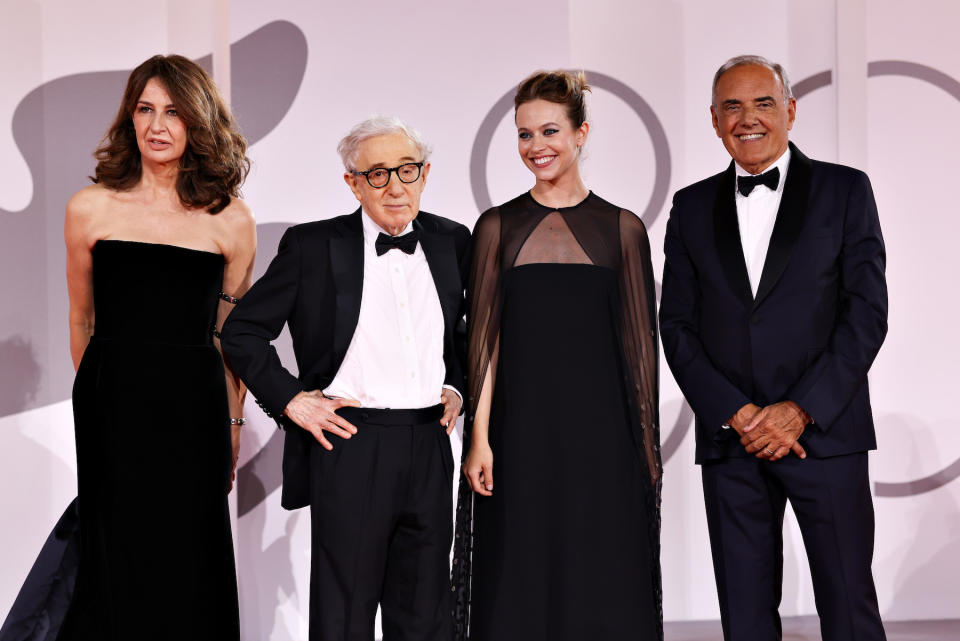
<point>774,307</point>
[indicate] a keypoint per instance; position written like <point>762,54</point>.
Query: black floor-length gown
<point>153,456</point>
<point>567,548</point>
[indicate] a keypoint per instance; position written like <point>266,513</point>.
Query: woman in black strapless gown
<point>156,251</point>
<point>564,545</point>
<point>153,451</point>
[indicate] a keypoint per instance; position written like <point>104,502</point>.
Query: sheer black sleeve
<point>639,322</point>
<point>483,294</point>
<point>642,360</point>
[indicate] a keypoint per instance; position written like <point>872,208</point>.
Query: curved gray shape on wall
<point>950,85</point>
<point>56,127</point>
<point>661,147</point>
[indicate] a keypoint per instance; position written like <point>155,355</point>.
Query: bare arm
<point>478,466</point>
<point>77,235</point>
<point>239,251</point>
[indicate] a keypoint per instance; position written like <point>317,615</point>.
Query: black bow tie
<point>771,179</point>
<point>406,243</point>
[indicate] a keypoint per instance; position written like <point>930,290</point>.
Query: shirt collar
<point>782,163</point>
<point>371,229</point>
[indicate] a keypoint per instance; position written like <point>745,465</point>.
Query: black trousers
<point>745,500</point>
<point>381,510</point>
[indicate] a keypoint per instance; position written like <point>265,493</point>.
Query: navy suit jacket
<point>314,285</point>
<point>815,325</point>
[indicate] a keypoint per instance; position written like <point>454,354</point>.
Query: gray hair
<point>742,61</point>
<point>373,127</point>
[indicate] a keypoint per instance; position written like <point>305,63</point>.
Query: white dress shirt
<point>756,216</point>
<point>395,359</point>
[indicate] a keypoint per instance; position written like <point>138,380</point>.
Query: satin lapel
<point>442,259</point>
<point>786,231</point>
<point>346,259</point>
<point>726,235</point>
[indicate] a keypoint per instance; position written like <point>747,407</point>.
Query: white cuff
<point>455,391</point>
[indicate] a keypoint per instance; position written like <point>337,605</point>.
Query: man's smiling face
<point>752,116</point>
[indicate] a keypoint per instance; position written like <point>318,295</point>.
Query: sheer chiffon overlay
<point>568,296</point>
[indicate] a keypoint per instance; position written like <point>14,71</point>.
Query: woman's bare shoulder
<point>89,200</point>
<point>237,227</point>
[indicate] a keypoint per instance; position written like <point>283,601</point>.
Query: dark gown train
<point>155,557</point>
<point>567,548</point>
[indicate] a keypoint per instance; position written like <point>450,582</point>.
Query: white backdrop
<point>301,73</point>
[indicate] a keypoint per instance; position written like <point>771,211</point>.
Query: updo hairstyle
<point>561,87</point>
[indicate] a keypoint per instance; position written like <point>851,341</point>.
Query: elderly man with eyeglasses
<point>374,302</point>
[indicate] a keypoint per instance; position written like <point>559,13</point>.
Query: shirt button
<point>396,269</point>
<point>413,374</point>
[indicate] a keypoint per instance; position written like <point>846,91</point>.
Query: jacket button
<point>755,319</point>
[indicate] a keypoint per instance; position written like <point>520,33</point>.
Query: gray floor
<point>808,629</point>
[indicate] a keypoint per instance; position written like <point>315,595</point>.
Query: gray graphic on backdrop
<point>56,128</point>
<point>950,85</point>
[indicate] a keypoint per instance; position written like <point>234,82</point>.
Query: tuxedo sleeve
<point>711,395</point>
<point>831,382</point>
<point>454,376</point>
<point>257,320</point>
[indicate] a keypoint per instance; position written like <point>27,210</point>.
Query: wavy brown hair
<point>561,87</point>
<point>214,163</point>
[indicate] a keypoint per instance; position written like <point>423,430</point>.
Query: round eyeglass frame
<point>391,170</point>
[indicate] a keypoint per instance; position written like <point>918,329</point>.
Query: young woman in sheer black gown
<point>155,250</point>
<point>564,545</point>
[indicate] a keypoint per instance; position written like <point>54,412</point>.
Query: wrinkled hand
<point>478,468</point>
<point>316,413</point>
<point>235,446</point>
<point>451,408</point>
<point>743,417</point>
<point>774,430</point>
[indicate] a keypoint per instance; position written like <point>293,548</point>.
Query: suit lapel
<point>726,234</point>
<point>346,260</point>
<point>786,230</point>
<point>442,259</point>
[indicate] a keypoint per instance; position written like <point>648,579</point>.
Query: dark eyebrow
<point>150,104</point>
<point>764,99</point>
<point>731,101</point>
<point>546,124</point>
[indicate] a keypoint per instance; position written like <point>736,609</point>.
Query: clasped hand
<point>771,432</point>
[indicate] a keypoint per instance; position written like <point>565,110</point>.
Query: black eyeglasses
<point>378,177</point>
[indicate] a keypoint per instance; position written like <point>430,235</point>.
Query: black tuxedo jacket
<point>815,326</point>
<point>314,285</point>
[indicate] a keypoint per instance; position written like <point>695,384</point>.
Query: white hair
<point>373,127</point>
<point>742,61</point>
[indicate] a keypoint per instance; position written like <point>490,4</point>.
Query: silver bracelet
<point>238,421</point>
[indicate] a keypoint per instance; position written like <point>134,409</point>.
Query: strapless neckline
<point>148,244</point>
